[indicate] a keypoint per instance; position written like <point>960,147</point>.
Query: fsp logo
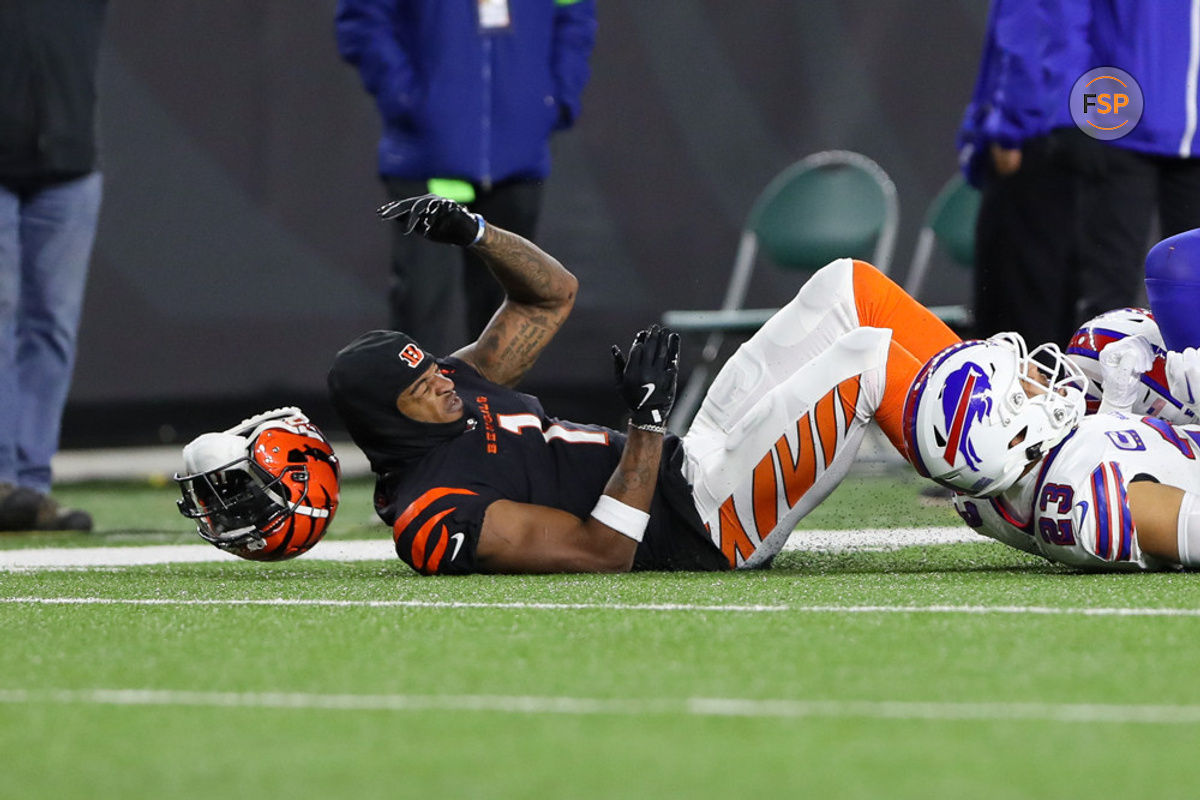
<point>412,355</point>
<point>1106,103</point>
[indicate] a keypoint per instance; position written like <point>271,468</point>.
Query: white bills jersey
<point>990,516</point>
<point>1078,512</point>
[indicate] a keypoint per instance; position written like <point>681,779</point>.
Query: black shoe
<point>18,507</point>
<point>51,516</point>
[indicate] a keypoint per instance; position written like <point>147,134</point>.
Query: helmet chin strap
<point>309,511</point>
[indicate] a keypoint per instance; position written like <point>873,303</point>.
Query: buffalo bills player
<point>1130,371</point>
<point>474,476</point>
<point>1114,491</point>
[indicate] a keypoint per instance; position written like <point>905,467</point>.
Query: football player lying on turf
<point>1118,494</point>
<point>473,476</point>
<point>1125,363</point>
<point>481,480</point>
<point>1111,491</point>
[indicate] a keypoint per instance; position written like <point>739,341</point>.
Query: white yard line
<point>690,706</point>
<point>436,604</point>
<point>382,548</point>
<point>1077,611</point>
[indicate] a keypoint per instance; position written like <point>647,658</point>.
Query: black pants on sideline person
<point>1119,202</point>
<point>1026,245</point>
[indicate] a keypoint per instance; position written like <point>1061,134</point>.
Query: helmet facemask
<point>1051,383</point>
<point>234,503</point>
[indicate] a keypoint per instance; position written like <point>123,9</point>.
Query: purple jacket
<point>1035,50</point>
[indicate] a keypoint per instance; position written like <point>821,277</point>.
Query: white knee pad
<point>820,313</point>
<point>830,290</point>
<point>741,382</point>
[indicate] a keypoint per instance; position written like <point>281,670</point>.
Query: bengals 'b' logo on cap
<point>412,355</point>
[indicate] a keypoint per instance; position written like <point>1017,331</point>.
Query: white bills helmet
<point>1154,398</point>
<point>980,411</point>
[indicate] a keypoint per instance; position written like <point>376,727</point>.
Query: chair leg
<point>920,263</point>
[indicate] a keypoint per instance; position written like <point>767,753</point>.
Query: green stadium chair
<point>950,223</point>
<point>826,206</point>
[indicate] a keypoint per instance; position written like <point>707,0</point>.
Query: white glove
<point>248,425</point>
<point>1183,377</point>
<point>1123,363</point>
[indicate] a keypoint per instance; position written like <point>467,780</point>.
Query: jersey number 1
<point>516,423</point>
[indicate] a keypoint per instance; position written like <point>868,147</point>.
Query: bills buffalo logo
<point>966,400</point>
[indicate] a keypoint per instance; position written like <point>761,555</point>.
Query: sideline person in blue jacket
<point>1019,145</point>
<point>1066,219</point>
<point>469,92</point>
<point>1154,167</point>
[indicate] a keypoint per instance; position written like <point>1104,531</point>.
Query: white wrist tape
<point>1188,529</point>
<point>627,520</point>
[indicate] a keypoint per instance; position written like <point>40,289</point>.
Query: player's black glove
<point>646,380</point>
<point>435,218</point>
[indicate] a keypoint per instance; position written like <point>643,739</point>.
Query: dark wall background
<point>238,250</point>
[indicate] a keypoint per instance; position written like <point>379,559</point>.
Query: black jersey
<point>515,452</point>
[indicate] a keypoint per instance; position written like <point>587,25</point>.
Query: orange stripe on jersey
<point>734,541</point>
<point>418,545</point>
<point>883,304</point>
<point>800,472</point>
<point>422,503</point>
<point>766,496</point>
<point>827,425</point>
<point>439,550</point>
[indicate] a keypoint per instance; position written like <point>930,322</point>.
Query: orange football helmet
<point>264,490</point>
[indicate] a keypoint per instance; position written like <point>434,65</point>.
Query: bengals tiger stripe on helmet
<point>264,490</point>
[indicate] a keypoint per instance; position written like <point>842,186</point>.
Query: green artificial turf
<point>957,671</point>
<point>144,512</point>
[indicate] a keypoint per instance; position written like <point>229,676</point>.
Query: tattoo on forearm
<point>634,478</point>
<point>540,293</point>
<point>525,272</point>
<point>640,474</point>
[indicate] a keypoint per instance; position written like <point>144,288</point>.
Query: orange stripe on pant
<point>734,541</point>
<point>917,335</point>
<point>827,425</point>
<point>766,496</point>
<point>800,472</point>
<point>848,391</point>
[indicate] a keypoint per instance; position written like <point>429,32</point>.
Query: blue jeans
<point>45,244</point>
